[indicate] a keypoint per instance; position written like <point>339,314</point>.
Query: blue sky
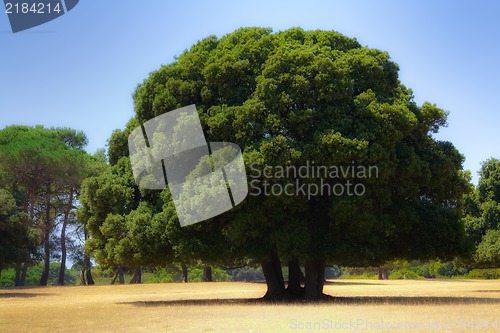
<point>81,69</point>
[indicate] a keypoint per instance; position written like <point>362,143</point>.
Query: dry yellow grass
<point>359,306</point>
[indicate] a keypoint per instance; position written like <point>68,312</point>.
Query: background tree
<point>124,229</point>
<point>18,242</point>
<point>482,216</point>
<point>130,227</point>
<point>97,166</point>
<point>82,165</point>
<point>44,167</point>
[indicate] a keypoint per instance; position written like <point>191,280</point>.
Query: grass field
<point>359,306</point>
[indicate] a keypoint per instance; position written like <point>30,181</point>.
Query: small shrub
<point>218,275</point>
<point>7,278</point>
<point>403,274</point>
<point>161,276</point>
<point>356,273</point>
<point>333,272</point>
<point>246,274</point>
<point>489,273</point>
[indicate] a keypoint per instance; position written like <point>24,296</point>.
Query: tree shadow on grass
<point>354,283</point>
<point>20,295</point>
<point>358,300</point>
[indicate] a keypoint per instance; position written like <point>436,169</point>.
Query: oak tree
<point>298,98</point>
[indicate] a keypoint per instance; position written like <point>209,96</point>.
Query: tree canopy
<point>291,99</point>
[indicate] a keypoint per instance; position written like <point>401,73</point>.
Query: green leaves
<point>17,243</point>
<point>488,251</point>
<point>337,150</point>
<point>482,216</point>
<point>287,99</point>
<point>489,182</point>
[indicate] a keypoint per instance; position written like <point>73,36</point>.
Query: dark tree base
<point>287,297</point>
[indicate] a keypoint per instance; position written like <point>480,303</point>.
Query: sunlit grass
<point>452,305</point>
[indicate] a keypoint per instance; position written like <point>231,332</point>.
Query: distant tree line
<point>41,170</point>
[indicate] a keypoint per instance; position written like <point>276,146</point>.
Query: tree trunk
<point>315,279</point>
<point>88,273</point>
<point>31,205</point>
<point>207,274</point>
<point>20,277</point>
<point>24,271</point>
<point>17,278</point>
<point>383,273</point>
<point>119,275</point>
<point>86,261</point>
<point>184,273</point>
<point>44,279</point>
<point>274,278</point>
<point>82,276</point>
<point>62,269</point>
<point>136,278</point>
<point>295,276</point>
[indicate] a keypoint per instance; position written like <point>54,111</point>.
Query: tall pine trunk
<point>44,279</point>
<point>29,208</point>
<point>67,211</point>
<point>86,260</point>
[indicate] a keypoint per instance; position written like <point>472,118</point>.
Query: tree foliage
<point>482,216</point>
<point>287,98</point>
<point>121,220</point>
<point>17,241</point>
